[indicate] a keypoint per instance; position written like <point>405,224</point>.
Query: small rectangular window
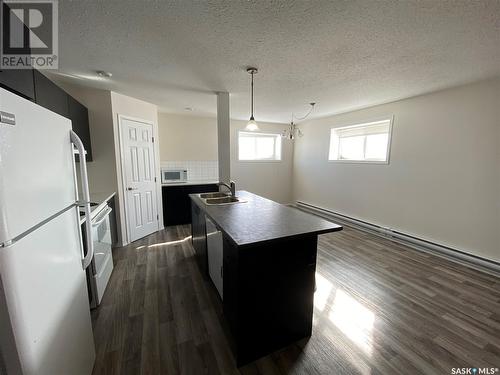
<point>259,146</point>
<point>367,143</point>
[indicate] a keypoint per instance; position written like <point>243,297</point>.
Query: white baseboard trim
<point>458,256</point>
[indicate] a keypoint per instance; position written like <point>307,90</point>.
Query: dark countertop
<point>261,220</point>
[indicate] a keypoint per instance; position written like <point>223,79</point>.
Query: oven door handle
<point>105,214</point>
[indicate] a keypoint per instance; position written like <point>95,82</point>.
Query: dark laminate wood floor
<point>380,308</point>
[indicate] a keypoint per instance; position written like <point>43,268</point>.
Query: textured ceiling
<point>342,54</point>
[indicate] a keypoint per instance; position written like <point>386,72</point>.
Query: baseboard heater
<point>455,255</point>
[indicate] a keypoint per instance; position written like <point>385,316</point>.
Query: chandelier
<point>292,131</point>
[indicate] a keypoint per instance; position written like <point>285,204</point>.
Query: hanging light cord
<point>307,114</point>
<point>252,94</point>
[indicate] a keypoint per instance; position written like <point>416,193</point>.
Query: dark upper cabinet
<point>33,85</point>
<point>50,96</point>
<point>79,116</point>
<point>19,81</point>
<point>54,98</point>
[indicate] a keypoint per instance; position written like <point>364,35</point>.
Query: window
<point>259,146</point>
<point>367,142</point>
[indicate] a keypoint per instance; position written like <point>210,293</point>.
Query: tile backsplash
<point>198,170</point>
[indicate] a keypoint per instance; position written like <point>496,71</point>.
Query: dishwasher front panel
<point>215,254</point>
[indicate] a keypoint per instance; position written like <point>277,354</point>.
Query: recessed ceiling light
<point>103,74</point>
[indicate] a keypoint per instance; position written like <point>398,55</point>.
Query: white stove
<point>99,272</point>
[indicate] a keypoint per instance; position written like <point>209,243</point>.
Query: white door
<point>139,177</point>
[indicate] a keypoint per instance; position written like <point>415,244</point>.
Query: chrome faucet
<point>231,186</point>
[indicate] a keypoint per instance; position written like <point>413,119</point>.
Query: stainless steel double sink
<point>212,199</point>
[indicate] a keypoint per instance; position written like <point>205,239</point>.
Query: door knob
<point>129,188</point>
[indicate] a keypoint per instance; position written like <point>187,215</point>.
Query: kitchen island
<point>268,269</point>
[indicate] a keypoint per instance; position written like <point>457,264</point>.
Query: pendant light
<point>252,124</point>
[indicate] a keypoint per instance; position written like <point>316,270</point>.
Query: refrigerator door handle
<point>86,198</point>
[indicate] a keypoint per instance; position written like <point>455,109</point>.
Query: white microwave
<point>170,176</point>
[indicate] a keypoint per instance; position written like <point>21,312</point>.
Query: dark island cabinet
<point>79,116</point>
<point>19,81</point>
<point>176,202</point>
<point>268,271</point>
<point>230,287</point>
<point>268,295</point>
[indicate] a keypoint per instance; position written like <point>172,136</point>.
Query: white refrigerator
<point>45,324</point>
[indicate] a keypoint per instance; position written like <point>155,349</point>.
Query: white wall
<point>184,137</point>
<point>271,179</point>
<point>123,105</point>
<point>443,180</point>
<point>187,137</point>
